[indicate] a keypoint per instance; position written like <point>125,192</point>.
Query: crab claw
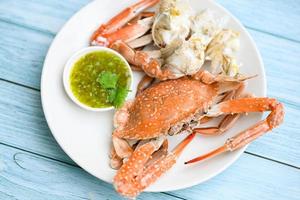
<point>146,60</point>
<point>102,35</point>
<point>136,174</point>
<point>128,33</point>
<point>245,137</point>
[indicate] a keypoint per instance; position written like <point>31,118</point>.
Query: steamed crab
<point>176,106</point>
<point>183,41</point>
<point>180,38</point>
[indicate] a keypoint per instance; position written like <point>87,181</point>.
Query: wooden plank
<point>21,173</point>
<point>281,59</point>
<point>46,16</point>
<point>281,65</point>
<point>22,54</point>
<point>22,122</point>
<point>31,187</point>
<point>279,18</point>
<point>249,178</point>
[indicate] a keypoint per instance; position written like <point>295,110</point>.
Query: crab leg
<point>126,34</point>
<point>122,18</point>
<point>150,65</point>
<point>226,123</point>
<point>115,161</point>
<point>209,78</point>
<point>133,177</point>
<point>204,120</point>
<point>140,42</point>
<point>136,68</point>
<point>120,147</point>
<point>162,151</point>
<point>144,83</point>
<point>245,137</point>
<point>229,120</point>
<point>140,16</point>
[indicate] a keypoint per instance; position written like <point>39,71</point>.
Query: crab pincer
<point>118,27</point>
<point>135,175</point>
<point>150,64</point>
<point>274,119</point>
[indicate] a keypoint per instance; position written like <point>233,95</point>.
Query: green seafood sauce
<point>100,79</point>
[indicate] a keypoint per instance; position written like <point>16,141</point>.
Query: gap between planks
<point>66,163</point>
<point>21,85</point>
<point>272,34</point>
<point>28,27</point>
<point>74,165</point>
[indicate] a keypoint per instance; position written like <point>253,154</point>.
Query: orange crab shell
<point>163,105</point>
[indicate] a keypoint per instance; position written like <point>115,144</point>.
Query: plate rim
<point>187,184</point>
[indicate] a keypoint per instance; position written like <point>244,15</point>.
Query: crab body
<point>174,106</point>
<point>165,105</point>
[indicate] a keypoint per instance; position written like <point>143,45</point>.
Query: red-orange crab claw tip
<point>114,27</point>
<point>208,155</point>
<point>183,144</point>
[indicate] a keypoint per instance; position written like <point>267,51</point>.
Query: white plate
<point>85,136</point>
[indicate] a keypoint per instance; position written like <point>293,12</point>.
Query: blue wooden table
<point>32,165</point>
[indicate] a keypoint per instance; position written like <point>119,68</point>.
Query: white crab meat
<point>187,59</point>
<point>205,26</point>
<point>221,51</point>
<point>172,22</point>
<point>184,37</point>
<point>189,56</point>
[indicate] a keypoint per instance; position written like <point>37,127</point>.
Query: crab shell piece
<point>161,106</point>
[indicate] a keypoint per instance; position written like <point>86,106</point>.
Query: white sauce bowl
<point>70,64</point>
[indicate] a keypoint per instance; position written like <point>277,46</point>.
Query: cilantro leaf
<point>116,95</point>
<point>108,80</point>
<point>120,97</point>
<point>111,95</point>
